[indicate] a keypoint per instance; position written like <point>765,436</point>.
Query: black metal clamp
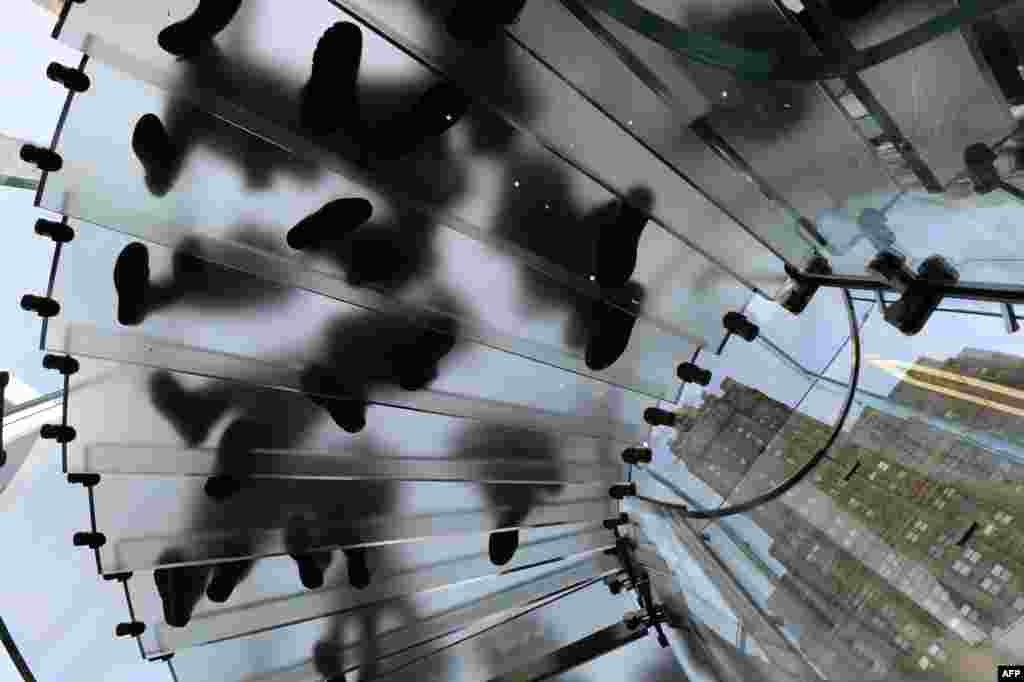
<point>91,540</point>
<point>799,291</point>
<point>71,78</point>
<point>62,433</point>
<point>132,629</point>
<point>87,480</point>
<point>741,326</point>
<point>690,373</point>
<point>61,233</point>
<point>65,364</point>
<point>621,490</point>
<point>41,305</point>
<point>42,158</point>
<point>921,292</point>
<point>637,455</point>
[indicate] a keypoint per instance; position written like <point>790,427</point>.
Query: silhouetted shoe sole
<point>185,38</point>
<point>349,415</point>
<point>311,568</point>
<point>180,588</point>
<point>617,247</point>
<point>330,100</point>
<point>160,160</point>
<point>131,281</point>
<point>609,332</point>
<point>479,23</point>
<point>434,113</point>
<point>502,546</point>
<point>335,221</point>
<point>417,366</point>
<point>358,571</point>
<point>180,408</point>
<point>225,579</point>
<point>329,661</point>
<point>222,487</point>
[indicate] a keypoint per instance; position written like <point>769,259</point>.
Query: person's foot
<point>188,415</point>
<point>311,568</point>
<point>185,38</point>
<point>619,240</point>
<point>479,23</point>
<point>434,113</point>
<point>180,588</point>
<point>225,579</point>
<point>332,223</point>
<point>349,414</point>
<point>160,159</point>
<point>358,571</point>
<point>330,100</point>
<point>610,329</point>
<point>329,661</point>
<point>239,439</point>
<point>131,281</point>
<point>417,363</point>
<point>502,546</point>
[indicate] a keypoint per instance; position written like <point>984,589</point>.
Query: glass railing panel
<point>479,197</point>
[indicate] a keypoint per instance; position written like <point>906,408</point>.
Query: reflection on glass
<point>899,554</point>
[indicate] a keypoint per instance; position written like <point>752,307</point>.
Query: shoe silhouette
<point>180,588</point>
<point>609,331</point>
<point>311,568</point>
<point>185,38</point>
<point>479,23</point>
<point>332,223</point>
<point>619,239</point>
<point>311,563</point>
<point>131,281</point>
<point>416,366</point>
<point>358,572</point>
<point>184,410</point>
<point>502,546</point>
<point>160,158</point>
<point>329,661</point>
<point>330,99</point>
<point>349,414</point>
<point>437,110</point>
<point>225,579</point>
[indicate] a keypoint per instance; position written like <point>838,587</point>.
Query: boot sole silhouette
<point>187,37</point>
<point>131,279</point>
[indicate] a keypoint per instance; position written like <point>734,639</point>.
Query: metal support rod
<point>1010,319</point>
<point>576,654</point>
<point>733,582</point>
<point>969,291</point>
<point>12,651</point>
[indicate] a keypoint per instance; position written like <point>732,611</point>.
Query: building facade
<point>906,530</point>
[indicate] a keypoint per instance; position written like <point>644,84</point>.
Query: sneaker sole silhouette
<point>333,222</point>
<point>187,37</point>
<point>131,280</point>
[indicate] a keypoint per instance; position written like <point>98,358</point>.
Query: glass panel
<point>506,594</point>
<point>939,118</point>
<point>182,524</point>
<point>508,647</point>
<point>393,578</point>
<point>482,200</point>
<point>380,632</point>
<point>203,331</point>
<point>13,171</point>
<point>554,332</point>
